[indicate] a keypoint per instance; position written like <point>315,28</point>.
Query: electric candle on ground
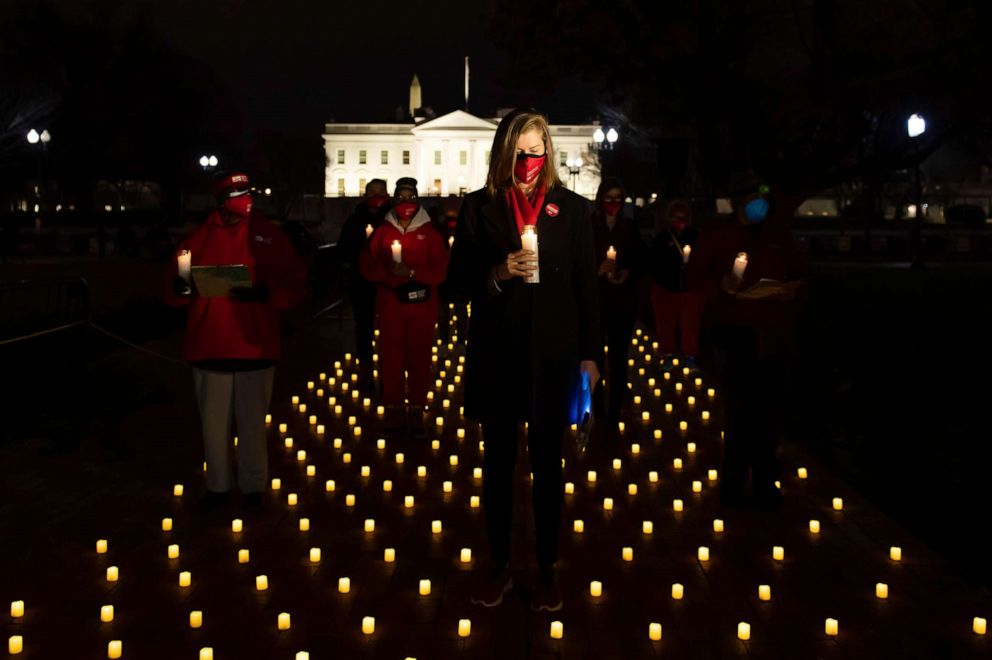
<point>243,556</point>
<point>979,625</point>
<point>447,486</point>
<point>435,526</point>
<point>365,470</point>
<point>831,627</point>
<point>838,503</point>
<point>464,627</point>
<point>301,455</point>
<point>330,486</point>
<point>185,579</point>
<point>408,501</point>
<point>320,429</point>
<point>743,631</point>
<point>453,460</point>
<point>607,503</point>
<point>778,553</point>
<point>465,556</point>
<point>569,488</point>
<point>654,629</point>
<point>237,525</point>
<point>617,464</point>
<point>706,415</point>
<point>653,476</point>
<point>344,585</point>
<point>346,457</point>
<point>368,625</point>
<point>389,555</point>
<point>881,591</point>
<point>591,476</point>
<point>697,486</point>
<point>473,502</point>
<point>578,526</point>
<point>814,526</point>
<point>557,630</point>
<point>436,444</point>
<point>196,619</point>
<point>112,574</point>
<point>421,471</point>
<point>313,420</point>
<point>303,407</point>
<point>17,609</point>
<point>369,525</point>
<point>177,490</point>
<point>669,407</point>
<point>718,526</point>
<point>314,555</point>
<point>311,471</point>
<point>304,524</point>
<point>101,546</point>
<point>895,553</point>
<point>337,443</point>
<point>677,464</point>
<point>677,506</point>
<point>295,400</point>
<point>635,449</point>
<point>115,649</point>
<point>764,592</point>
<point>712,475</point>
<point>645,416</point>
<point>107,613</point>
<point>647,527</point>
<point>595,588</point>
<point>703,553</point>
<point>627,553</point>
<point>425,587</point>
<point>268,418</point>
<point>400,458</point>
<point>287,442</point>
<point>292,499</point>
<point>678,591</point>
<point>387,486</point>
<point>173,551</point>
<point>207,653</point>
<point>283,621</point>
<point>349,500</point>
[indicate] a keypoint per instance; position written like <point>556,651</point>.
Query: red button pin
<point>551,210</point>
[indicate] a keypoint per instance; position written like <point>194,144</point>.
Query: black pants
<point>499,461</point>
<point>617,327</point>
<point>754,390</point>
<point>362,296</point>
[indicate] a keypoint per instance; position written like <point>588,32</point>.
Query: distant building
<point>448,155</point>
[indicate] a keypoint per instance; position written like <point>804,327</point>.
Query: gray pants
<point>242,397</point>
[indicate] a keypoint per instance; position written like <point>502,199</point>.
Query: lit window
<point>463,158</point>
<point>341,187</point>
<point>340,156</point>
<point>384,158</point>
<point>437,157</point>
<point>406,157</point>
<point>361,157</point>
<point>437,185</point>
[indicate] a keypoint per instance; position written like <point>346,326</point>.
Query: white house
<point>448,155</point>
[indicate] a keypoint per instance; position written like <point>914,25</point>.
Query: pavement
<point>54,509</point>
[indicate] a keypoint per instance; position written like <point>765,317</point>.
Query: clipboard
<point>217,281</point>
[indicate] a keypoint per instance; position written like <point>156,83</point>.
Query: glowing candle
<point>184,261</point>
<point>453,460</point>
<point>173,551</point>
<point>283,621</point>
<point>369,525</point>
<point>185,579</point>
<point>683,426</point>
<point>528,240</point>
<point>177,490</point>
<point>703,553</point>
<point>313,420</point>
<point>740,265</point>
<point>408,501</point>
<point>447,486</point>
<point>895,553</point>
<point>368,230</point>
<point>647,527</point>
<point>114,649</point>
<point>686,253</point>
<point>421,471</point>
<point>677,464</point>
<point>627,553</point>
<point>718,526</point>
<point>304,524</point>
<point>621,426</point>
<point>113,574</point>
<point>349,500</point>
<point>314,555</point>
<point>268,418</point>
<point>697,486</point>
<point>283,427</point>
<point>881,591</point>
<point>706,415</point>
<point>368,625</point>
<point>473,502</point>
<point>397,251</point>
<point>237,525</point>
<point>578,526</point>
<point>17,609</point>
<point>635,449</point>
<point>295,400</point>
<point>778,553</point>
<point>207,653</point>
<point>243,556</point>
<point>464,627</point>
<point>465,556</point>
<point>595,588</point>
<point>389,555</point>
<point>668,407</point>
<point>365,470</point>
<point>653,476</point>
<point>344,585</point>
<point>831,627</point>
<point>436,444</point>
<point>400,458</point>
<point>979,625</point>
<point>678,506</point>
<point>611,254</point>
<point>387,486</point>
<point>711,475</point>
<point>654,632</point>
<point>196,619</point>
<point>678,591</point>
<point>617,464</point>
<point>292,499</point>
<point>425,587</point>
<point>838,503</point>
<point>287,442</point>
<point>743,631</point>
<point>107,613</point>
<point>814,526</point>
<point>803,473</point>
<point>557,630</point>
<point>435,526</point>
<point>311,470</point>
<point>101,546</point>
<point>569,488</point>
<point>330,486</point>
<point>15,645</point>
<point>764,592</point>
<point>591,476</point>
<point>607,503</point>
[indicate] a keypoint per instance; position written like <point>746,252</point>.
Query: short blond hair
<point>503,156</point>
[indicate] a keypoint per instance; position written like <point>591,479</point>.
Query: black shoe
<point>212,500</point>
<point>416,423</point>
<point>767,498</point>
<point>732,495</point>
<point>252,502</point>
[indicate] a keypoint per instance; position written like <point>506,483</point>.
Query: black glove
<point>258,293</point>
<point>180,287</point>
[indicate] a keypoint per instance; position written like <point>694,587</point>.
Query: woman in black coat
<point>528,342</point>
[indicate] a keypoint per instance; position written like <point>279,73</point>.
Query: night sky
<point>299,63</point>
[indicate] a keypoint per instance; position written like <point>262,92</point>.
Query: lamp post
<point>208,162</point>
<point>916,126</point>
<point>604,141</point>
<point>41,140</point>
<point>574,165</point>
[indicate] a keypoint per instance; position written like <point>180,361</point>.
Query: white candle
<point>607,503</point>
<point>107,613</point>
<point>196,619</point>
<point>177,490</point>
<point>436,527</point>
<point>578,526</point>
<point>678,591</point>
<point>686,251</point>
<point>207,653</point>
<point>627,553</point>
<point>778,553</point>
<point>764,592</point>
<point>368,625</point>
<point>814,526</point>
<point>451,241</point>
<point>237,525</point>
<point>304,524</point>
<point>113,574</point>
<point>740,265</point>
<point>595,588</point>
<point>15,645</point>
<point>838,504</point>
<point>397,252</point>
<point>718,526</point>
<point>654,632</point>
<point>17,609</point>
<point>677,506</point>
<point>743,631</point>
<point>243,556</point>
<point>261,582</point>
<point>389,555</point>
<point>895,553</point>
<point>166,524</point>
<point>528,240</point>
<point>703,553</point>
<point>283,621</point>
<point>314,555</point>
<point>979,625</point>
<point>466,556</point>
<point>831,627</point>
<point>185,579</point>
<point>464,627</point>
<point>173,551</point>
<point>557,630</point>
<point>344,585</point>
<point>368,230</point>
<point>114,649</point>
<point>101,547</point>
<point>184,264</point>
<point>881,591</point>
<point>647,527</point>
<point>425,587</point>
<point>369,525</point>
<point>611,254</point>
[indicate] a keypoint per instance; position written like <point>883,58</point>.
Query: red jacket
<point>423,250</point>
<point>223,329</point>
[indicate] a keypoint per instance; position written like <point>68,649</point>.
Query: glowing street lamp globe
<point>33,136</point>
<point>612,136</point>
<point>916,125</point>
<point>204,161</point>
<point>599,136</point>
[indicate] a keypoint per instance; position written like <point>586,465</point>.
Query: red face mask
<point>612,208</point>
<point>679,225</point>
<point>528,166</point>
<point>375,202</point>
<point>240,206</point>
<point>406,210</point>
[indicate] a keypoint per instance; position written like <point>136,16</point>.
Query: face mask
<point>756,210</point>
<point>528,166</point>
<point>406,210</point>
<point>679,226</point>
<point>612,208</point>
<point>376,202</point>
<point>240,206</point>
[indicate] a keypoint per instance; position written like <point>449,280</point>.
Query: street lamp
<point>916,126</point>
<point>574,165</point>
<point>42,139</point>
<point>208,162</point>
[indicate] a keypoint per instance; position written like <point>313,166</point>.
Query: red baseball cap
<point>232,185</point>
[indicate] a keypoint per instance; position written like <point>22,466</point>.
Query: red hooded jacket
<point>223,329</point>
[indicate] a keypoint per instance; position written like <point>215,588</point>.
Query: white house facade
<point>447,155</point>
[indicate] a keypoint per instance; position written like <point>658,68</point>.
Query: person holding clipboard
<point>523,255</point>
<point>234,275</point>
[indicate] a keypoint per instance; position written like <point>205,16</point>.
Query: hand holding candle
<point>397,252</point>
<point>528,240</point>
<point>740,265</point>
<point>368,231</point>
<point>184,263</point>
<point>686,252</point>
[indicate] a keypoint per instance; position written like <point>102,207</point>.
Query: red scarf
<point>525,211</point>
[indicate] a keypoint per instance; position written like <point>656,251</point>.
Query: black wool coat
<point>525,343</point>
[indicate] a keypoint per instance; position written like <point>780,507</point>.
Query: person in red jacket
<point>232,342</point>
<point>407,258</point>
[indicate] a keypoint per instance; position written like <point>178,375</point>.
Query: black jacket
<point>525,343</point>
<point>667,264</point>
<point>353,239</point>
<point>626,240</point>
